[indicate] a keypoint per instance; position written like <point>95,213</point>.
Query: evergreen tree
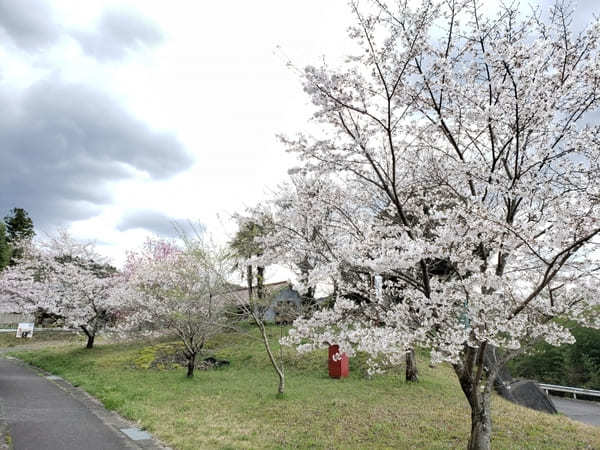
<point>244,246</point>
<point>19,225</point>
<point>4,248</point>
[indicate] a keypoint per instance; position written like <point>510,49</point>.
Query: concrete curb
<point>5,437</point>
<point>111,419</point>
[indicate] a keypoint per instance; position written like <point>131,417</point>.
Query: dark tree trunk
<point>260,282</point>
<point>249,277</point>
<point>481,424</point>
<point>90,336</point>
<point>471,377</point>
<point>412,373</point>
<point>308,298</point>
<point>190,366</point>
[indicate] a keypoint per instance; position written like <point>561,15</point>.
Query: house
<point>284,303</point>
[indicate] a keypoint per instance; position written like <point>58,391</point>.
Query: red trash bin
<point>338,368</point>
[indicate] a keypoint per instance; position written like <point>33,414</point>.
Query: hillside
<point>236,407</point>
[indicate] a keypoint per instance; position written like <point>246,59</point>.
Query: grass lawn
<point>236,407</point>
<point>39,338</point>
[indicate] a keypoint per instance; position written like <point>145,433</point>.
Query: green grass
<point>42,338</point>
<point>236,407</point>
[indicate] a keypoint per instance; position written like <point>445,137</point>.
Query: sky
<point>120,117</point>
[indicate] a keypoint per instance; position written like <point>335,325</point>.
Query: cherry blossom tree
<point>67,278</point>
<point>179,290</point>
<point>19,286</point>
<point>317,223</point>
<point>303,230</point>
<point>472,125</point>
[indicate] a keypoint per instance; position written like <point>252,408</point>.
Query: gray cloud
<point>153,221</point>
<point>30,24</point>
<point>156,222</point>
<point>62,144</point>
<point>118,32</point>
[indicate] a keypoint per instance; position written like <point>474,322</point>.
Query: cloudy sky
<point>121,116</point>
<point>118,117</point>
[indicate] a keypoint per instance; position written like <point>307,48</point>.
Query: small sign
<point>25,330</point>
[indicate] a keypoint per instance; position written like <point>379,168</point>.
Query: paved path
<point>581,410</point>
<point>48,413</point>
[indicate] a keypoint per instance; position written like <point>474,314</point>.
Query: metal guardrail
<point>570,390</point>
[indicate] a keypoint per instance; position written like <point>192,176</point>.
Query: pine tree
<point>4,247</point>
<point>19,225</point>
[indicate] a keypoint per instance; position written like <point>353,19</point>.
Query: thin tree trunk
<point>280,374</point>
<point>412,373</point>
<point>191,364</point>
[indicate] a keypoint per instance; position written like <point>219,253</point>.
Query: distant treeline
<point>576,365</point>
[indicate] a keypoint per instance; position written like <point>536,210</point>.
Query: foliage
<point>246,248</point>
<point>4,248</point>
<point>575,364</point>
<point>244,243</point>
<point>468,129</point>
<point>19,226</point>
<point>19,229</point>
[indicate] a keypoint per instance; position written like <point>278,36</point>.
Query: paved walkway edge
<point>110,418</point>
<point>5,438</point>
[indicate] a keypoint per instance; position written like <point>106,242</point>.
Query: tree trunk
<point>281,386</point>
<point>280,374</point>
<point>481,424</point>
<point>260,282</point>
<point>191,364</point>
<point>249,280</point>
<point>471,376</point>
<point>90,336</point>
<point>412,373</point>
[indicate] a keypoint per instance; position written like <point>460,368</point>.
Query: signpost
<point>25,330</point>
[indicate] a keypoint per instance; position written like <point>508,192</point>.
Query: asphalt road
<point>42,415</point>
<point>580,410</point>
